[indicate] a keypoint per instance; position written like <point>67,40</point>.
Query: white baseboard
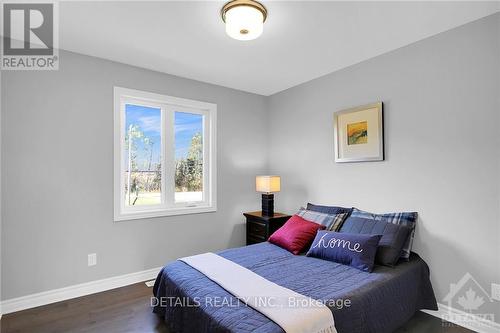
<point>464,319</point>
<point>62,294</point>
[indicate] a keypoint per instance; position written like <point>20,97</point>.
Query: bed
<point>380,301</point>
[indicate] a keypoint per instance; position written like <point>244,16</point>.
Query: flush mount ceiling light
<point>244,19</point>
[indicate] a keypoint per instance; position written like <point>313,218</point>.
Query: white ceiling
<point>302,40</point>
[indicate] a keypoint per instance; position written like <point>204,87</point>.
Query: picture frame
<point>359,134</point>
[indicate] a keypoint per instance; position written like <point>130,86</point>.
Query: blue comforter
<point>380,301</point>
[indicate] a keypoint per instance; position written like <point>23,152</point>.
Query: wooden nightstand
<point>259,227</point>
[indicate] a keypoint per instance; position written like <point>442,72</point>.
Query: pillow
<point>408,219</point>
<point>331,222</point>
<point>296,234</point>
<point>328,209</point>
<point>393,236</point>
<point>355,250</point>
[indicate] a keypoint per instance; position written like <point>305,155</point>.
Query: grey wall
<point>57,176</point>
<point>442,108</point>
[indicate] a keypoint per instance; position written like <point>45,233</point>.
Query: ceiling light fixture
<point>244,19</point>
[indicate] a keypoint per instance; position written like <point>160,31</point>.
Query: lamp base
<point>267,204</point>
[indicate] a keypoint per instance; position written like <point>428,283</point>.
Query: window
<point>164,155</point>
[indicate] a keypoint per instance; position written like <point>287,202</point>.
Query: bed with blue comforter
<point>379,302</point>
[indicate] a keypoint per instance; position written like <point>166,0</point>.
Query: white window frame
<point>168,106</point>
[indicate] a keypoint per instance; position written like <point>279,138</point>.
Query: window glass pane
<point>188,157</point>
<point>142,156</point>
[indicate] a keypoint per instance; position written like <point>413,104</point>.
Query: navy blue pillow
<point>408,219</point>
<point>328,209</point>
<point>355,250</point>
<point>393,236</point>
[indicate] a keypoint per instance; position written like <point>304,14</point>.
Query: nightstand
<point>259,227</point>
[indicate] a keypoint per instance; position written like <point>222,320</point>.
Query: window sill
<point>119,216</point>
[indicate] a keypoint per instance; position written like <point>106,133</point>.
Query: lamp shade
<point>267,184</point>
<point>244,22</point>
<point>244,19</point>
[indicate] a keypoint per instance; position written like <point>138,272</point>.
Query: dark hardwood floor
<point>124,309</point>
<point>128,309</point>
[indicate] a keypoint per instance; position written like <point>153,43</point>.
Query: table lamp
<point>267,185</point>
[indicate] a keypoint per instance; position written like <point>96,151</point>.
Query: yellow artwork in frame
<point>359,134</point>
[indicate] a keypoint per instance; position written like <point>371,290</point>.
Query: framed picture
<point>359,134</point>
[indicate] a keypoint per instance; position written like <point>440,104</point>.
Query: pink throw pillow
<point>295,234</point>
